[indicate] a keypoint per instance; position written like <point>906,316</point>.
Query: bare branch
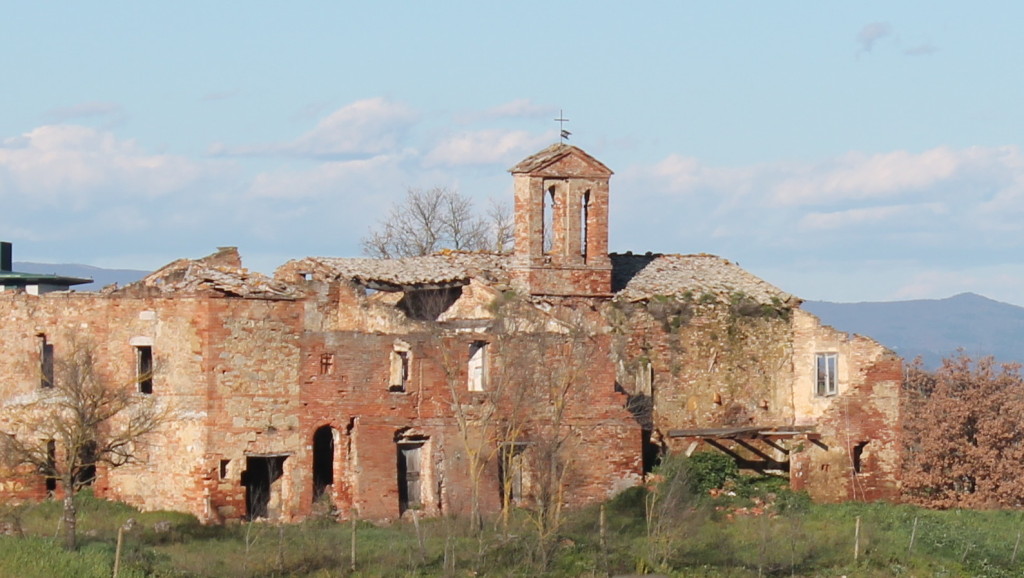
<point>83,420</point>
<point>429,220</point>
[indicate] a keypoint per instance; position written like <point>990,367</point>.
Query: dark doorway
<point>858,456</point>
<point>651,456</point>
<point>323,460</point>
<point>409,476</point>
<point>258,478</point>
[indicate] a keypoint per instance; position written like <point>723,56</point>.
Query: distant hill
<point>933,328</point>
<point>101,277</point>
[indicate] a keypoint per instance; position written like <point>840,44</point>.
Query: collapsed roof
<point>634,277</point>
<point>220,273</point>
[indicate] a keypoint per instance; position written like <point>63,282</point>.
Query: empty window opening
<point>584,215</point>
<point>323,461</point>
<point>87,458</point>
<point>45,362</point>
<point>512,475</point>
<point>144,367</point>
<point>858,455</point>
<point>224,469</point>
<point>548,219</point>
<point>477,366</point>
<point>326,363</point>
<point>410,487</point>
<point>258,478</point>
<point>827,382</point>
<point>399,374</point>
<point>51,467</point>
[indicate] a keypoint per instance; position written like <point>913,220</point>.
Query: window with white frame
<point>826,376</point>
<point>477,366</point>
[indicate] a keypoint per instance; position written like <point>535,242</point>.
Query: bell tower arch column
<point>561,223</point>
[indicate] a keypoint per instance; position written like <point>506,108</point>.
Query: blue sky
<point>856,152</point>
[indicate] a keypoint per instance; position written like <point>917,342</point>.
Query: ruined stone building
<point>556,373</point>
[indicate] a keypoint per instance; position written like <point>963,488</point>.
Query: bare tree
<point>521,418</point>
<point>78,423</point>
<point>502,223</point>
<point>429,220</point>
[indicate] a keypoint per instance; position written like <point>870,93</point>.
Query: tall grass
<point>757,528</point>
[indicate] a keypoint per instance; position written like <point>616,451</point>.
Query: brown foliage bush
<point>964,444</point>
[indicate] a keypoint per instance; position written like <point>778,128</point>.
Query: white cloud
<point>67,163</point>
<point>935,209</point>
<point>866,216</point>
<point>486,147</point>
<point>325,178</point>
<point>364,128</point>
<point>980,173</point>
<point>688,175</point>
<point>859,176</point>
<point>369,126</point>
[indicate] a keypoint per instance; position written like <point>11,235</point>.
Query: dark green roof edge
<point>26,278</point>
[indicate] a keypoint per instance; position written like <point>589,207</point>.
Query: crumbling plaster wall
<point>713,365</point>
<point>716,365</point>
<point>110,325</point>
<point>865,410</point>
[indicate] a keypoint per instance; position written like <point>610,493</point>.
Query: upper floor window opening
<point>399,375</point>
<point>45,362</point>
<point>477,367</point>
<point>826,375</point>
<point>144,368</point>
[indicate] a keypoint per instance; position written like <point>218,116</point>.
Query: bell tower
<point>561,223</point>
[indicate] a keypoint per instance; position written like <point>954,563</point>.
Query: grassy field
<point>751,529</point>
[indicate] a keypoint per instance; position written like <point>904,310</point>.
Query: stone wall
<point>712,365</point>
<point>857,456</point>
<point>708,364</point>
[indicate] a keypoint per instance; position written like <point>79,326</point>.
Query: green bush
<point>710,470</point>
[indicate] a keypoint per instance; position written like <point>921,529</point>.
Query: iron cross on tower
<point>561,120</point>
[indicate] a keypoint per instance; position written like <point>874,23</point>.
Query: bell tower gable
<point>561,223</point>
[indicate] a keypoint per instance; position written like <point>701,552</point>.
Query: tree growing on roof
<point>77,422</point>
<point>429,220</point>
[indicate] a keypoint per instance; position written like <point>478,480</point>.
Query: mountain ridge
<point>933,328</point>
<point>100,277</point>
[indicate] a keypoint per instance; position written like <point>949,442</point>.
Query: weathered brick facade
<point>377,386</point>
